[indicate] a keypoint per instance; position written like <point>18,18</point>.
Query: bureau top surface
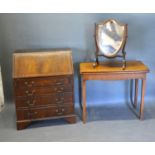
<point>109,67</point>
<point>42,63</point>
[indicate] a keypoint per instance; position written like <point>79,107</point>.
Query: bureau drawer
<point>44,100</point>
<point>37,91</point>
<point>43,81</point>
<point>40,113</point>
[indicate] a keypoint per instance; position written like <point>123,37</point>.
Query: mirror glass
<point>110,37</point>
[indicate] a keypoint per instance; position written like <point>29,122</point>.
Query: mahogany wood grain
<point>42,100</point>
<point>43,63</point>
<point>115,66</point>
<point>39,112</point>
<point>37,91</point>
<point>135,70</point>
<point>43,86</point>
<point>39,81</point>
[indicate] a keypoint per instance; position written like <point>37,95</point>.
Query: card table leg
<point>84,99</point>
<point>136,93</point>
<point>142,99</point>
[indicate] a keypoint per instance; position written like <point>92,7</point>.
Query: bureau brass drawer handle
<point>29,84</point>
<point>60,102</point>
<point>31,104</point>
<point>32,113</point>
<point>60,113</point>
<point>30,94</point>
<point>59,91</point>
<point>58,83</point>
<point>59,88</point>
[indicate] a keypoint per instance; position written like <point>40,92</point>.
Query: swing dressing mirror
<point>110,37</point>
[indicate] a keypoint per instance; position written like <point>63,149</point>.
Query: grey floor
<point>108,122</point>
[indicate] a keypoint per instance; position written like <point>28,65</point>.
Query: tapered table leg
<point>131,92</point>
<point>142,99</point>
<point>84,100</point>
<point>80,100</point>
<point>136,94</point>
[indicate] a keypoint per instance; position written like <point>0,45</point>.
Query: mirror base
<point>96,63</point>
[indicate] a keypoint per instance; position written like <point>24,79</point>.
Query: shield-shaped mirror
<point>110,39</point>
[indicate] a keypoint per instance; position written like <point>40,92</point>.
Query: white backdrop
<point>1,93</point>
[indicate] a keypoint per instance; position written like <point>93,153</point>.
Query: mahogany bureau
<point>43,86</point>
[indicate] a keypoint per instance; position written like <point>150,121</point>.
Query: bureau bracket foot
<point>71,119</point>
<point>22,125</point>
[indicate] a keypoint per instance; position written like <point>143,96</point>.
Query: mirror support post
<point>124,60</point>
<point>123,50</point>
<point>96,63</point>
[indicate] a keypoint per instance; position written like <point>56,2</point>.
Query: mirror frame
<point>121,48</point>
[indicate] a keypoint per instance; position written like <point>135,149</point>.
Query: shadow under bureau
<point>43,86</point>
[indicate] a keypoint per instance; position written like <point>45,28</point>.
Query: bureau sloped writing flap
<point>42,63</point>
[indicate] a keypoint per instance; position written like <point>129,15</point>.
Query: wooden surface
<point>135,70</point>
<point>42,63</point>
<point>43,86</point>
<point>132,66</point>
